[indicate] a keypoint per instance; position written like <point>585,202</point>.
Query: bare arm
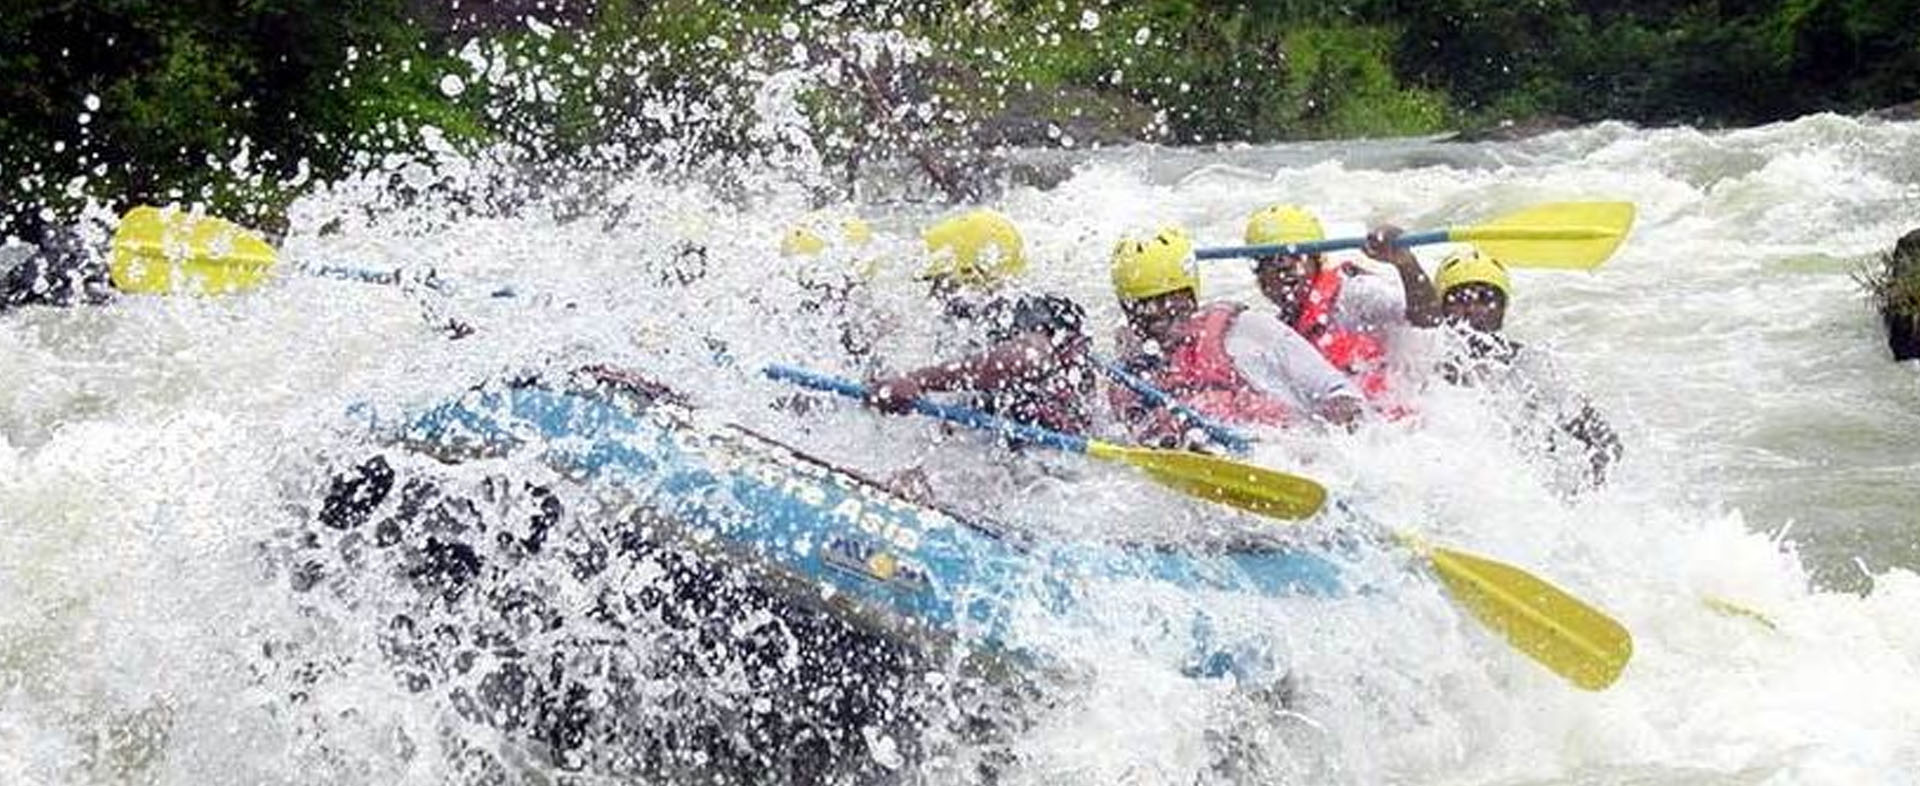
<point>1018,360</point>
<point>1024,359</point>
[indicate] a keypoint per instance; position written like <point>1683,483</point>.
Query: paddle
<point>1563,633</point>
<point>1244,486</point>
<point>161,252</point>
<point>1226,437</point>
<point>1559,631</point>
<point>1565,235</point>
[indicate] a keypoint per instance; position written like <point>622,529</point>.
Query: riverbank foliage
<point>1892,280</point>
<point>240,106</point>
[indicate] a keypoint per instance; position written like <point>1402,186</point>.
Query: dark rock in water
<point>1062,119</point>
<point>1896,292</point>
<point>1512,130</point>
<point>1903,336</point>
<point>1898,112</point>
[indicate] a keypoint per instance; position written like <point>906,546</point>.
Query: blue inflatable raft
<point>825,533</point>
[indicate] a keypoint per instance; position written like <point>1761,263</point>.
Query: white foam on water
<point>150,447</point>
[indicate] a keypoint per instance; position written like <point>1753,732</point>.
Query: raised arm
<point>1423,303</point>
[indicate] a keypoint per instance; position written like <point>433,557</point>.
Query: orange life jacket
<point>1358,355</point>
<point>1199,373</point>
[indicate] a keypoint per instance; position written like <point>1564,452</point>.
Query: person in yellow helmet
<point>808,241</point>
<point>1025,354</point>
<point>980,250</point>
<point>1340,308</point>
<point>1222,360</point>
<point>1316,296</point>
<point>805,240</point>
<point>1474,291</point>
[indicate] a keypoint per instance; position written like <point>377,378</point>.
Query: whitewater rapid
<point>150,449</point>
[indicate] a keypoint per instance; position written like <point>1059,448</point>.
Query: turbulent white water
<point>149,448</point>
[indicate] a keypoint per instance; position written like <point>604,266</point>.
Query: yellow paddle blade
<point>1566,235</point>
<point>1244,486</point>
<point>166,251</point>
<point>1563,633</point>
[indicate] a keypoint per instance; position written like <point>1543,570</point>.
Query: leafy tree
<point>202,100</point>
<point>239,105</point>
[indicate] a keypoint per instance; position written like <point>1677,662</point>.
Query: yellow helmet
<point>980,248</point>
<point>802,241</point>
<point>1156,266</point>
<point>1278,224</point>
<point>1472,266</point>
<point>856,232</point>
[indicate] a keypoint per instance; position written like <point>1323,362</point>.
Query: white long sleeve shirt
<point>1371,303</point>
<point>1278,361</point>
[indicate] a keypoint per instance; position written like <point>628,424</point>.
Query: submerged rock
<point>1063,117</point>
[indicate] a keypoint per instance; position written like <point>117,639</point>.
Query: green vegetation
<point>1892,281</point>
<point>241,105</point>
<point>196,100</point>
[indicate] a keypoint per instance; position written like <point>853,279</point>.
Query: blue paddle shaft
<point>965,416</point>
<point>1227,437</point>
<point>1318,246</point>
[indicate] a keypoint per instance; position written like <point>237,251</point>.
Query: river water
<point>150,448</point>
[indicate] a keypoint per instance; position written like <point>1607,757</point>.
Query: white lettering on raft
<point>854,512</point>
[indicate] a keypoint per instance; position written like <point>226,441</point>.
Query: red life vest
<point>1200,374</point>
<point>1358,355</point>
